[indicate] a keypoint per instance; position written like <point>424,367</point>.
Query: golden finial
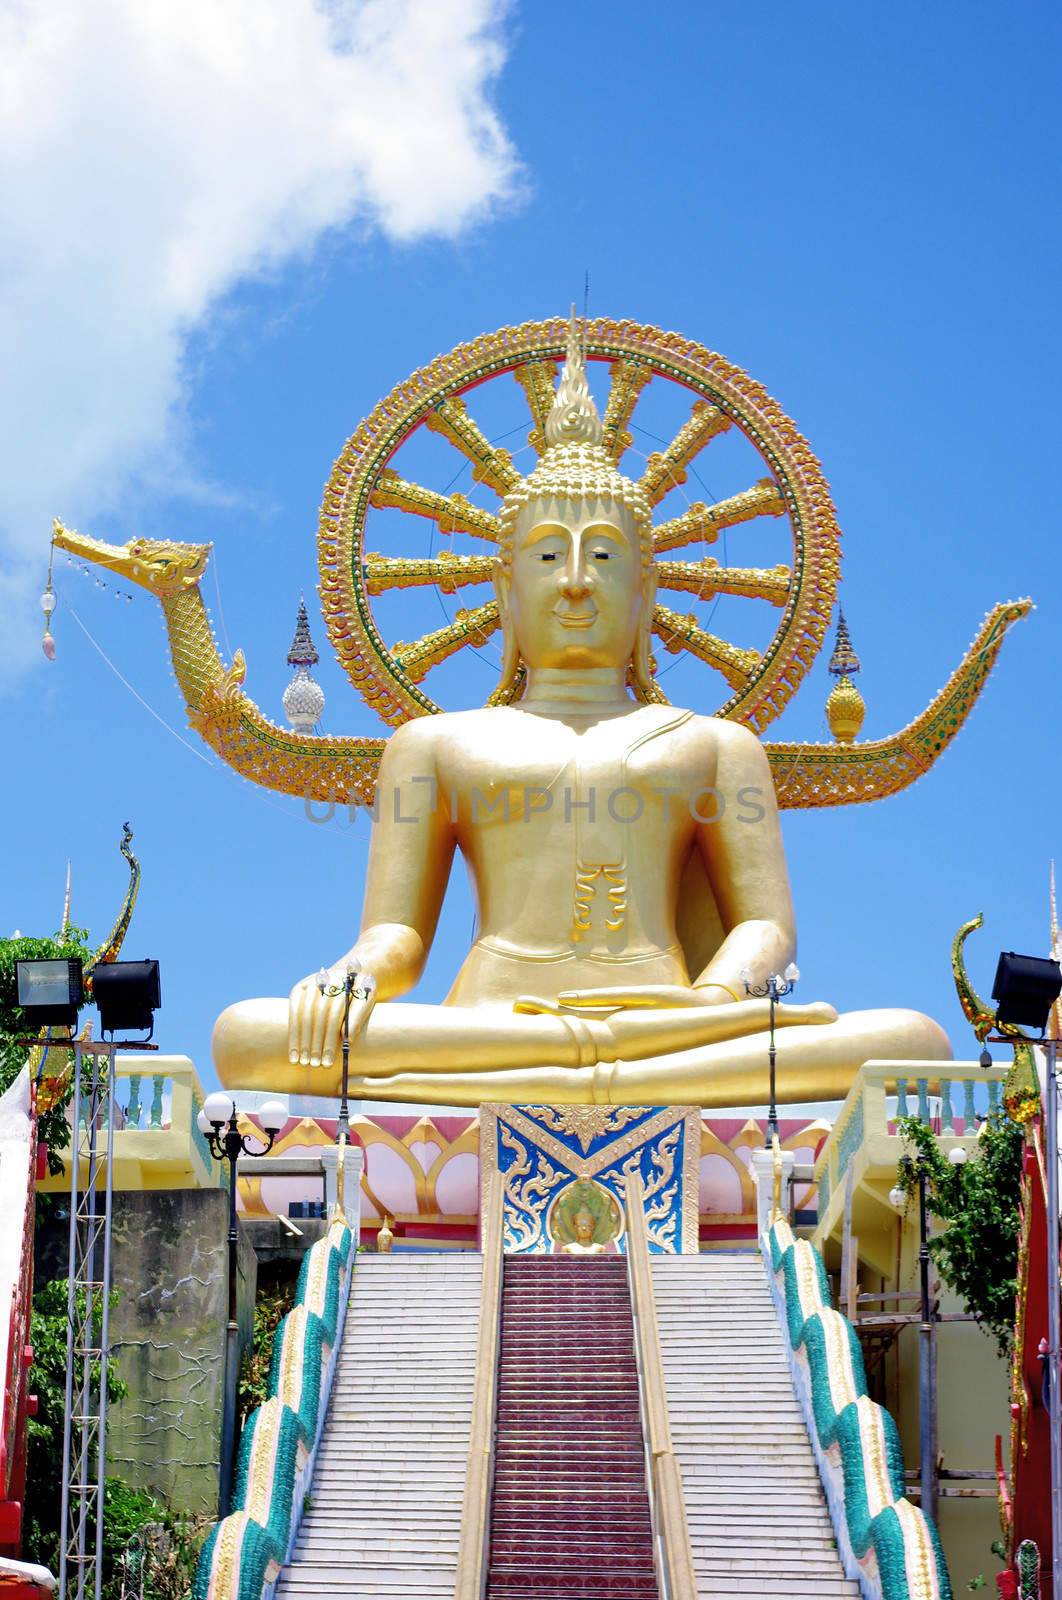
<point>845,708</point>
<point>385,1237</point>
<point>574,418</point>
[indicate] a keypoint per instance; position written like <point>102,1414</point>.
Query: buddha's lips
<point>576,619</point>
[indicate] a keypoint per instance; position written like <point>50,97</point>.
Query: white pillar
<point>762,1164</point>
<point>330,1168</point>
<point>353,1165</point>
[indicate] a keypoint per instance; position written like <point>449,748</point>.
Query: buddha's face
<point>584,1227</point>
<point>574,591</point>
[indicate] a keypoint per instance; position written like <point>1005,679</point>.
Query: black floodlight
<point>128,994</point>
<point>1026,988</point>
<point>50,992</point>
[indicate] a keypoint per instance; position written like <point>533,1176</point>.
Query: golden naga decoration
<point>761,682</point>
<point>1021,1093</point>
<point>53,1084</point>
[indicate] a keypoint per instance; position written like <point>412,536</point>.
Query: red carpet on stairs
<point>570,1510</point>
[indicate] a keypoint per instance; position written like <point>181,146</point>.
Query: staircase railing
<point>885,1542</point>
<point>668,1503</point>
<point>245,1553</point>
<point>474,1544</point>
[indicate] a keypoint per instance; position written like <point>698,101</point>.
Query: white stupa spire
<point>304,700</point>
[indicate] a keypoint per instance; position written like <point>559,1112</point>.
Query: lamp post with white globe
<point>218,1122</point>
<point>778,985</point>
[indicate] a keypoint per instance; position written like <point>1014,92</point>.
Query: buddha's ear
<point>499,573</point>
<point>510,653</point>
<point>641,663</point>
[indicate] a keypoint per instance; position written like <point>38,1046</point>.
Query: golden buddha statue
<point>584,1243</point>
<point>626,859</point>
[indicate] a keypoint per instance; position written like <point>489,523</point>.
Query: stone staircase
<point>385,1510</point>
<point>570,1508</point>
<point>754,1505</point>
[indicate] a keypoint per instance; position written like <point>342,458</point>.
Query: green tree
<point>270,1306</point>
<point>976,1250</point>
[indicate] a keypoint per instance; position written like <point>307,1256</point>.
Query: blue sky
<point>859,205</point>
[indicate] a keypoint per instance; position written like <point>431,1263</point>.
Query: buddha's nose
<point>575,578</point>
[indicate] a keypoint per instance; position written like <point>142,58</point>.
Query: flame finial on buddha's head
<point>574,418</point>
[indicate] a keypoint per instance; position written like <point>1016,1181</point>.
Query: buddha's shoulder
<point>715,734</point>
<point>444,729</point>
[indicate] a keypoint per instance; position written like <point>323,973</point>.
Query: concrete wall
<point>169,1266</point>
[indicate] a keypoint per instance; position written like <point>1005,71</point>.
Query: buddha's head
<point>574,576</point>
<point>583,1224</point>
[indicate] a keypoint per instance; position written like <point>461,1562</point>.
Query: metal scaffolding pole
<point>88,1324</point>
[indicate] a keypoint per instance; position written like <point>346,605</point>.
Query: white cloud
<point>155,152</point>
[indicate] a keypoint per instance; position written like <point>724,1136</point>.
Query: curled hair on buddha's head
<point>576,467</point>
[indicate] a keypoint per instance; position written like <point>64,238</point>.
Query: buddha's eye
<point>602,555</point>
<point>548,555</point>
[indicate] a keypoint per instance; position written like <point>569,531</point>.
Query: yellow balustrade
<point>669,1506</point>
<point>475,1511</point>
<point>157,1144</point>
<point>862,1154</point>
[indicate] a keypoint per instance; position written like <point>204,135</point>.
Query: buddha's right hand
<point>315,1020</point>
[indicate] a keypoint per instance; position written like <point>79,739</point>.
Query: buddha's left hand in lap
<point>665,997</point>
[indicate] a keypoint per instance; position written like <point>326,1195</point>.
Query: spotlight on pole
<point>128,994</point>
<point>1026,987</point>
<point>50,992</point>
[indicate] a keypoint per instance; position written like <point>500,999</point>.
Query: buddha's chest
<point>593,788</point>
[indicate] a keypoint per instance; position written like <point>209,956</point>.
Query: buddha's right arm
<point>410,855</point>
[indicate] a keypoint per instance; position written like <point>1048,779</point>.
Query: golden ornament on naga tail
<point>845,711</point>
<point>845,708</point>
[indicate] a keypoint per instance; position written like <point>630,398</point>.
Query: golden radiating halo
<point>389,678</point>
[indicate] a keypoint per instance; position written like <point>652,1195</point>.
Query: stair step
<point>384,1515</point>
<point>754,1504</point>
<point>570,1508</point>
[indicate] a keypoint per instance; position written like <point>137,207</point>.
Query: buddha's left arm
<point>745,862</point>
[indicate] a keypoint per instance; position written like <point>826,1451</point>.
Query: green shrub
<point>271,1305</point>
<point>976,1250</point>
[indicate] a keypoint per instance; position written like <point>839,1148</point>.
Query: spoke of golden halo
<point>450,572</point>
<point>452,512</point>
<point>629,378</point>
<point>538,379</point>
<point>708,577</point>
<point>490,464</point>
<point>684,633</point>
<point>667,467</point>
<point>468,627</point>
<point>764,499</point>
